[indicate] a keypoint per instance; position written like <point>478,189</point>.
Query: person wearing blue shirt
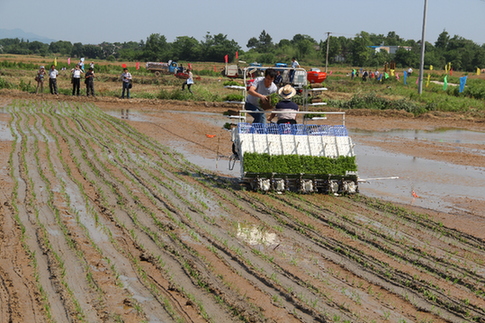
<point>294,64</point>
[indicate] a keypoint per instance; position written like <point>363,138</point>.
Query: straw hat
<point>287,91</point>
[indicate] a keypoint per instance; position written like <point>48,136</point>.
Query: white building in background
<point>390,49</point>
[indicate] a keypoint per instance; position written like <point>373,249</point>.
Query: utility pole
<point>423,43</point>
<point>328,45</point>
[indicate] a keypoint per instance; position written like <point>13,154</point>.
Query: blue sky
<point>92,22</point>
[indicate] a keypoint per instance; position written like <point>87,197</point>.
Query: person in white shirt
<point>53,73</point>
<point>258,94</point>
<point>76,80</point>
<point>126,79</point>
<point>294,64</point>
<point>189,81</point>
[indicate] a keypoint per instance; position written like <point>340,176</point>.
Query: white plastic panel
<point>306,145</point>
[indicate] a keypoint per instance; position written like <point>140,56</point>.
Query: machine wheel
<point>157,74</point>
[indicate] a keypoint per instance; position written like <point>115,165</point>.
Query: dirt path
<point>104,222</point>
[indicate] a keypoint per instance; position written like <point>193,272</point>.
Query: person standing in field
<point>126,80</point>
<point>76,80</point>
<point>53,73</point>
<point>278,78</point>
<point>40,80</point>
<point>89,81</point>
<point>294,64</point>
<point>258,94</point>
<point>189,81</point>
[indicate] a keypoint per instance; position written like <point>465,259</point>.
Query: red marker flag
<point>123,65</point>
<point>237,54</point>
<point>226,59</point>
<point>137,65</point>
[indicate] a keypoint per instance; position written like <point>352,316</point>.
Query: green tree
<point>361,52</point>
<point>215,47</point>
<point>404,58</point>
<point>442,41</point>
<point>393,39</point>
<point>305,46</point>
<point>37,47</point>
<point>131,50</point>
<point>284,43</point>
<point>61,47</point>
<point>109,50</point>
<point>93,51</point>
<point>299,37</point>
<point>186,48</point>
<point>265,42</point>
<point>262,45</point>
<point>461,53</point>
<point>77,50</point>
<point>379,58</point>
<point>156,48</point>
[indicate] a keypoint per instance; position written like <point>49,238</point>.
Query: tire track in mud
<point>165,237</point>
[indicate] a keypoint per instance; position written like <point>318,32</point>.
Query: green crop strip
<point>296,164</point>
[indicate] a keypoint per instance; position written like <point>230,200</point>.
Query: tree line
<point>463,54</point>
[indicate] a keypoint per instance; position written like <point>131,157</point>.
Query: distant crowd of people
<point>77,73</point>
<point>377,76</point>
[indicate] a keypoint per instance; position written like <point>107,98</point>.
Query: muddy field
<point>102,219</point>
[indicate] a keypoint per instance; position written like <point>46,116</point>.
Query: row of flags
<point>448,70</point>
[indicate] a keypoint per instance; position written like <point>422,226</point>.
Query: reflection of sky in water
<point>5,133</point>
<point>439,135</point>
<point>434,181</point>
<point>134,115</point>
<point>255,235</point>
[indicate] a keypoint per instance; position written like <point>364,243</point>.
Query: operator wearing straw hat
<point>285,105</point>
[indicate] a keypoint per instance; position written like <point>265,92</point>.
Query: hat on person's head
<point>42,66</point>
<point>287,91</point>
